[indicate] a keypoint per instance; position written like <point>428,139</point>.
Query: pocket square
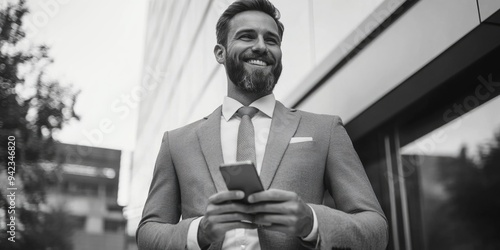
<point>300,139</point>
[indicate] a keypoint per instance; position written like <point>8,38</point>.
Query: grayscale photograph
<point>249,124</point>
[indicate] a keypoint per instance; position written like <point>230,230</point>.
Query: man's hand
<point>282,211</point>
<point>222,215</point>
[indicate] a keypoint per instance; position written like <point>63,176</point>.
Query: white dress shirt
<point>238,239</point>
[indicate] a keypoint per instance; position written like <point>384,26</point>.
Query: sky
<point>472,130</point>
<point>97,47</point>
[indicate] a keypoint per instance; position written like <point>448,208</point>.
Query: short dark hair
<point>222,27</point>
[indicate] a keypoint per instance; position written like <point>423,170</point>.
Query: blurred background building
<point>87,191</point>
<point>416,83</point>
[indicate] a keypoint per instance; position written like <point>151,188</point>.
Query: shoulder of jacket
<point>316,116</point>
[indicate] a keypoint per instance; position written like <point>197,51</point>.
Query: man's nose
<point>259,46</point>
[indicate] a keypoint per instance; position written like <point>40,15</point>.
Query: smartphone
<point>242,176</point>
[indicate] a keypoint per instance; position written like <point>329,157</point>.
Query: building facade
<point>88,193</point>
<point>415,82</point>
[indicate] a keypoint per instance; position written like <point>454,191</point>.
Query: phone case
<point>241,176</point>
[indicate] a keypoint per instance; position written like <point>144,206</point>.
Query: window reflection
<point>454,182</point>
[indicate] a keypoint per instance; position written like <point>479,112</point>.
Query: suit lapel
<point>283,127</point>
<point>209,137</point>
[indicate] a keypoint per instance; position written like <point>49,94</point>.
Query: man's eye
<point>245,37</point>
<point>272,41</point>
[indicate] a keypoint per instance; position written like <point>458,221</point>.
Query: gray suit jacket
<point>187,173</point>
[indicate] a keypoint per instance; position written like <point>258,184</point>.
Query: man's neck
<point>246,98</point>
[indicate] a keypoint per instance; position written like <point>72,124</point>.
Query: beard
<point>257,81</point>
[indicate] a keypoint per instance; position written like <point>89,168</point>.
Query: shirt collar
<point>265,105</point>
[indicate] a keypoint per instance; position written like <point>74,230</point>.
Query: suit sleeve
<point>357,222</point>
<point>160,227</point>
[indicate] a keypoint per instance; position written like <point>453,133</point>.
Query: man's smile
<point>257,62</point>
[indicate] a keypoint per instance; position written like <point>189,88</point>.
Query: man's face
<point>253,52</point>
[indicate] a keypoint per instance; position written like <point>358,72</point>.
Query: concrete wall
<point>417,37</point>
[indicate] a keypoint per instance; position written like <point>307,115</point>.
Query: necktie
<point>246,138</point>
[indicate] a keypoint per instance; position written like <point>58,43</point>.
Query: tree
<point>32,108</point>
<point>474,201</point>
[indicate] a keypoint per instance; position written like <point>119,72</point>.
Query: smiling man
<point>298,155</point>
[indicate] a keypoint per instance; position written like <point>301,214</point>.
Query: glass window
<point>453,182</point>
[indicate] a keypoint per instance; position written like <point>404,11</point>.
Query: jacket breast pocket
<point>302,155</point>
<point>301,148</point>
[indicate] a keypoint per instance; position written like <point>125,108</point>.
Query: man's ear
<point>220,53</point>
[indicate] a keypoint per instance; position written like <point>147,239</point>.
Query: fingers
<point>210,231</point>
<point>222,215</point>
<point>225,196</point>
<point>281,211</point>
<point>272,195</point>
<point>232,217</point>
<point>274,209</point>
<point>288,224</point>
<point>215,209</point>
<point>280,228</point>
<point>281,223</point>
<point>268,219</point>
<point>289,207</point>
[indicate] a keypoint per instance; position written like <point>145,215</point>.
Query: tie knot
<point>250,111</point>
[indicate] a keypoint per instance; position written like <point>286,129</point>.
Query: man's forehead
<point>253,20</point>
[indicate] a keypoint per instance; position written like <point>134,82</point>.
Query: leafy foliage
<point>32,108</point>
<point>468,218</point>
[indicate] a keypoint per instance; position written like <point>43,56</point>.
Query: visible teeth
<point>257,62</point>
